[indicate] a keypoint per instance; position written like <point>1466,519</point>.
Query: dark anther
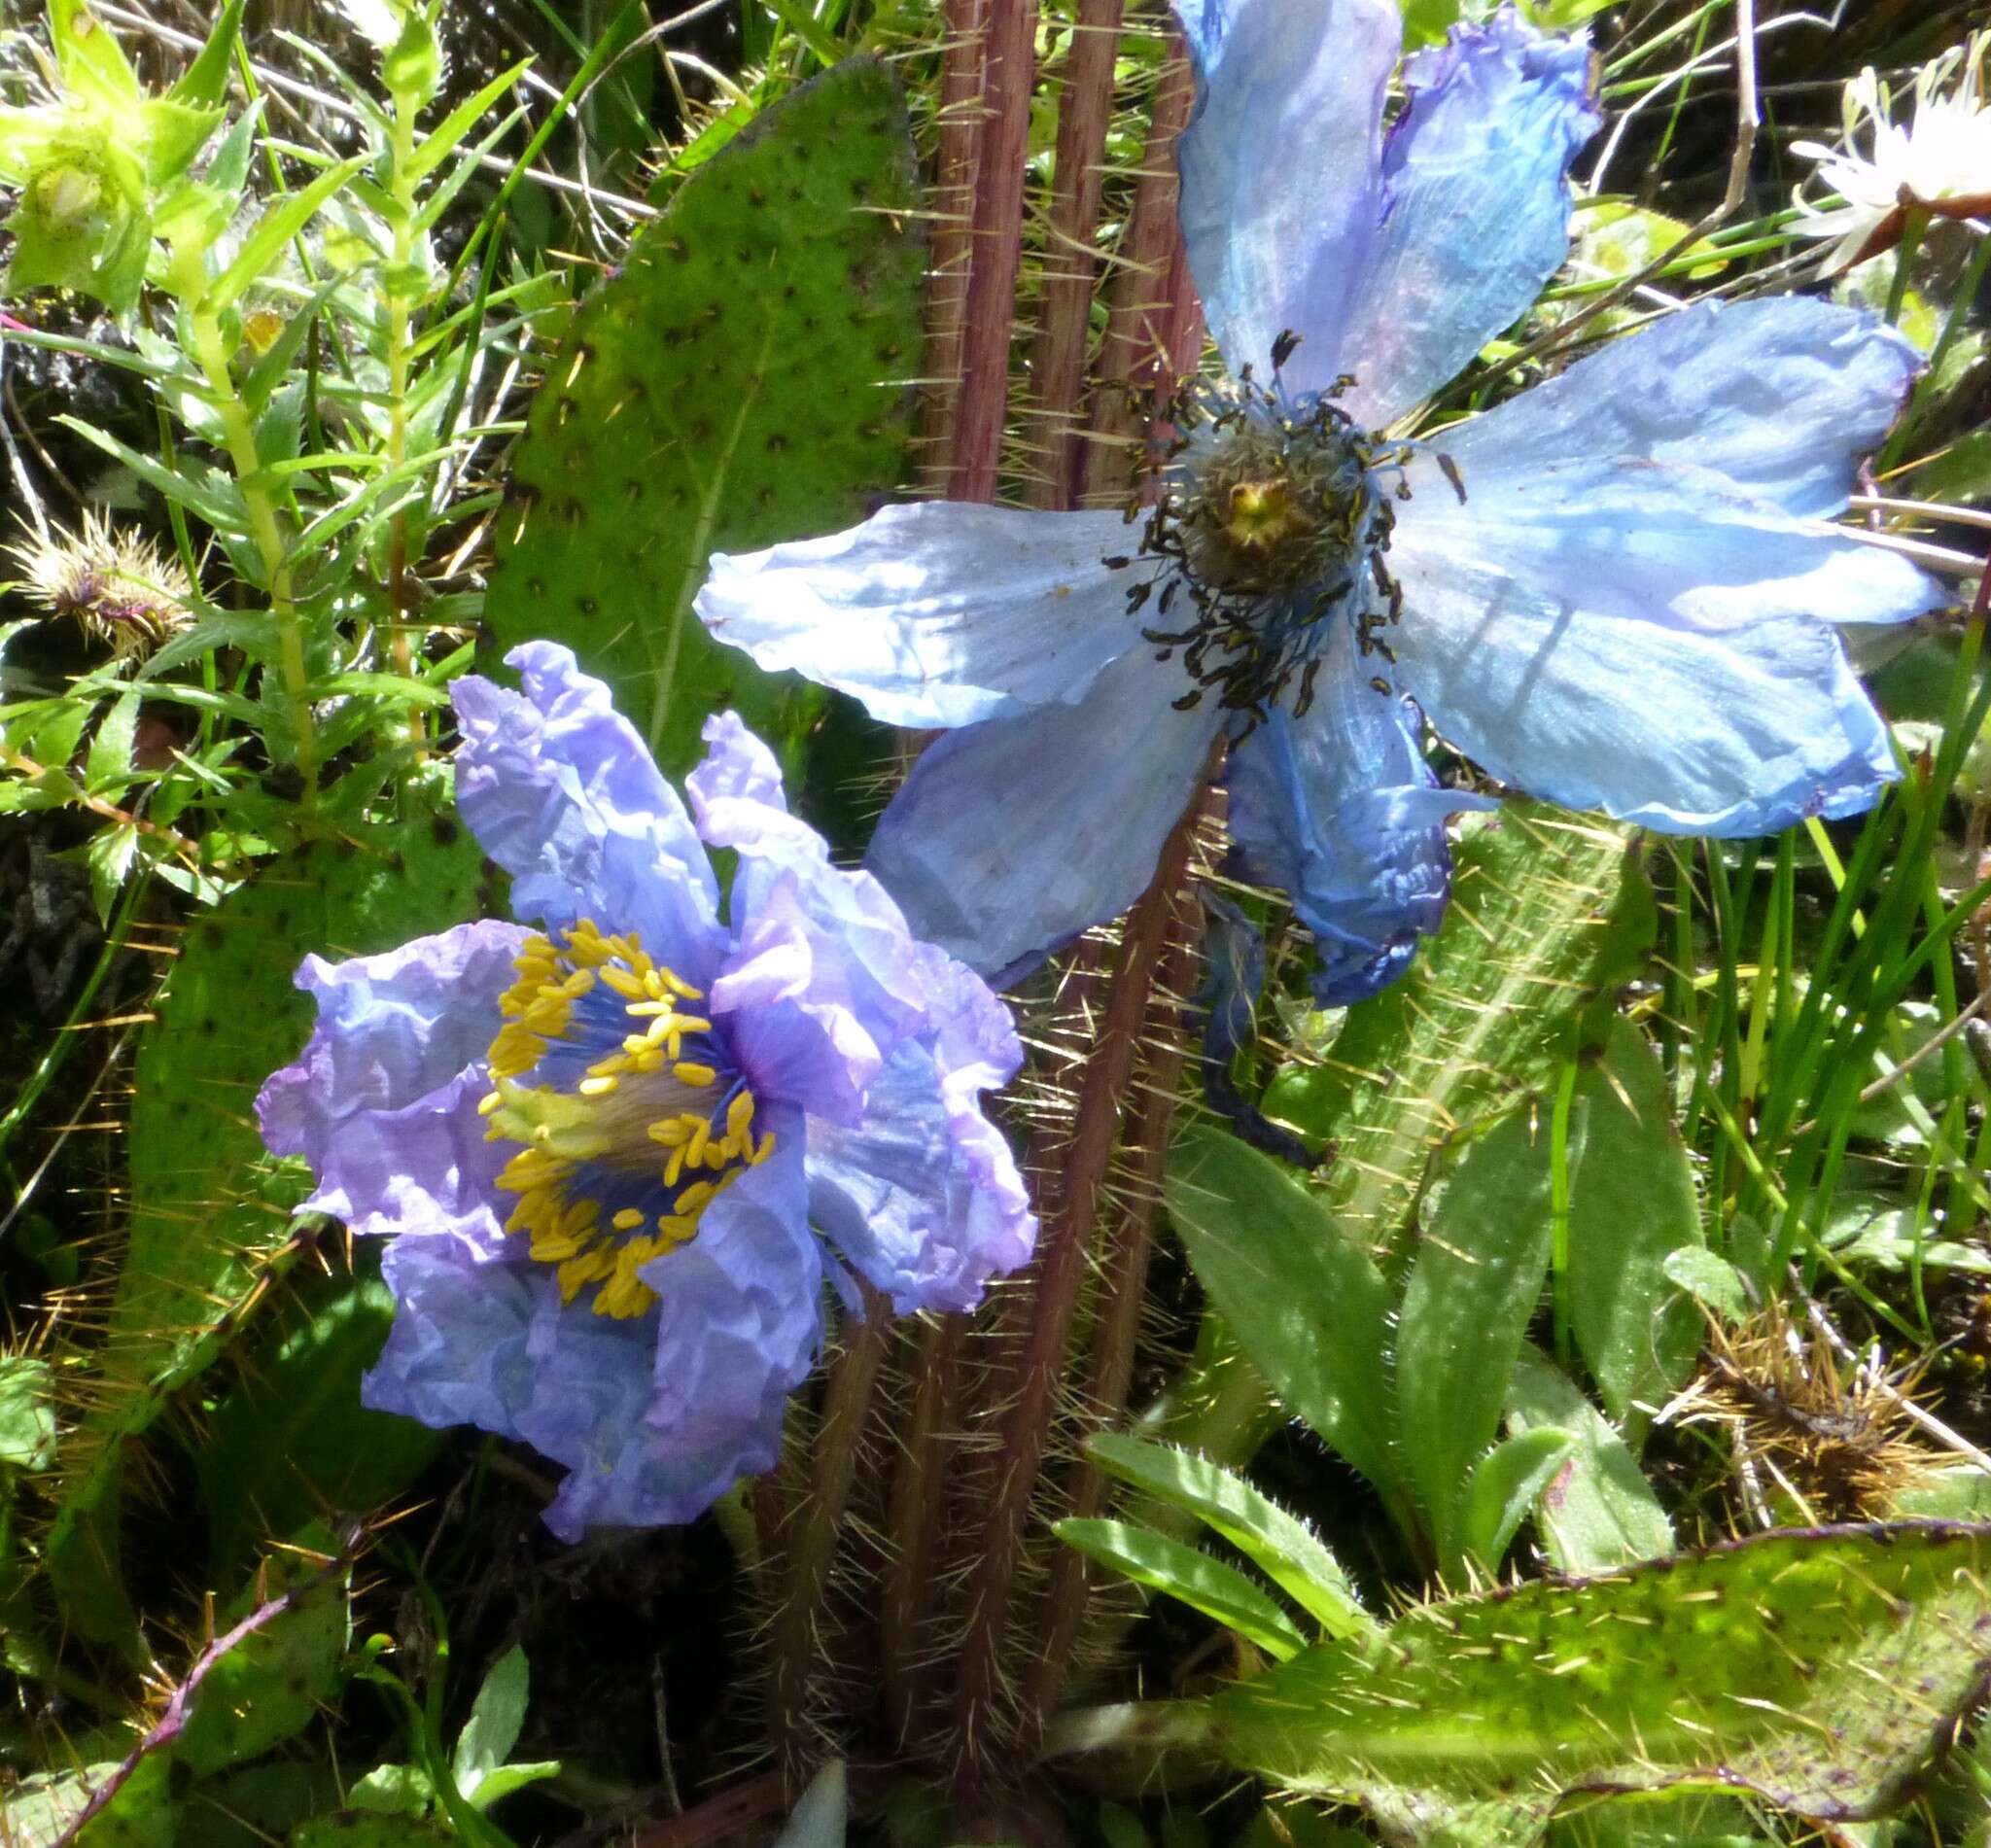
<point>1189,700</point>
<point>1452,474</point>
<point>1379,685</point>
<point>1138,594</point>
<point>1282,349</point>
<point>1116,563</point>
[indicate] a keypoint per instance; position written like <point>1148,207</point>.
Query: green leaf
<point>110,750</point>
<point>1504,1487</point>
<point>497,1717</point>
<point>1709,1280</point>
<point>1818,1669</point>
<point>1466,1306</point>
<point>357,1829</point>
<point>742,380</point>
<point>274,229</point>
<point>38,1810</point>
<point>1534,932</point>
<point>393,1790</point>
<point>270,1686</point>
<point>27,1420</point>
<point>1306,1303</point>
<point>210,1209</point>
<point>1598,1510</point>
<point>1203,1584</point>
<point>1278,1544</point>
<point>443,139</point>
<point>94,66</point>
<point>1631,1205</point>
<point>292,1438</point>
<point>204,83</point>
<point>220,511</point>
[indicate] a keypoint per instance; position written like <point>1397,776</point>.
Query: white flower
<point>1940,163</point>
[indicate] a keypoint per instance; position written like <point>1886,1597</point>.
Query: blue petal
<point>1011,837</point>
<point>1782,395</point>
<point>939,613</point>
<point>1718,726</point>
<point>1281,171</point>
<point>922,1196</point>
<point>824,979</point>
<point>458,1351</point>
<point>1661,542</point>
<point>1476,207</point>
<point>1233,980</point>
<point>1339,809</point>
<point>561,793</point>
<point>382,1102</point>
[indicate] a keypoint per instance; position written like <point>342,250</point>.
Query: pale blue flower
<point>600,1146</point>
<point>1615,591</point>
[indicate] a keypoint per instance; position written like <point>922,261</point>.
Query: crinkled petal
<point>922,1196</point>
<point>658,1417</point>
<point>1281,171</point>
<point>382,1102</point>
<point>1339,809</point>
<point>1739,730</point>
<point>560,790</point>
<point>458,1352</point>
<point>1011,837</point>
<point>1782,395</point>
<point>1476,207</point>
<point>825,980</point>
<point>1663,542</point>
<point>936,613</point>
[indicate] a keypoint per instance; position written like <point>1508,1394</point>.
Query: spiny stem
<point>1008,67</point>
<point>1121,1295</point>
<point>913,1521</point>
<point>1085,111</point>
<point>397,310</point>
<point>797,1638</point>
<point>1146,315</point>
<point>962,118</point>
<point>1054,1287</point>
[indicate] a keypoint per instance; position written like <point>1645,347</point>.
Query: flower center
<point>631,1115</point>
<point>1275,517</point>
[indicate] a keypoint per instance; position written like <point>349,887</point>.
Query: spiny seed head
<point>118,586</point>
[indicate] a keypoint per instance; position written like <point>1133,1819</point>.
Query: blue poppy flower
<point>1615,591</point>
<point>600,1139</point>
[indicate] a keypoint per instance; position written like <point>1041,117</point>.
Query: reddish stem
<point>1008,67</point>
<point>917,1493</point>
<point>1144,315</point>
<point>961,118</point>
<point>1123,1289</point>
<point>1058,1273</point>
<point>1085,112</point>
<point>797,1630</point>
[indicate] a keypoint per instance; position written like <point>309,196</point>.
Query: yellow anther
<point>488,1103</point>
<point>668,1131</point>
<point>694,1150</point>
<point>597,1087</point>
<point>675,1167</point>
<point>738,1114</point>
<point>689,1071</point>
<point>766,1149</point>
<point>695,1199</point>
<point>681,988</point>
<point>628,1219</point>
<point>629,987</point>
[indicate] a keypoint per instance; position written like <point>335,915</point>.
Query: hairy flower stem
<point>1152,311</point>
<point>961,118</point>
<point>1052,1292</point>
<point>797,1635</point>
<point>1123,1286</point>
<point>1008,67</point>
<point>918,1491</point>
<point>1085,111</point>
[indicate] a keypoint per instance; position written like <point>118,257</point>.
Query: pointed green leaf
<point>94,66</point>
<point>1597,1510</point>
<point>1504,1487</point>
<point>1306,1303</point>
<point>1280,1544</point>
<point>1203,1584</point>
<point>1472,1291</point>
<point>274,229</point>
<point>1631,1206</point>
<point>496,1718</point>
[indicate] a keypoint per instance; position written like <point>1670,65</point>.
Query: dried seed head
<point>118,586</point>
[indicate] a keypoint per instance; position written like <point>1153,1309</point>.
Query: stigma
<point>1274,516</point>
<point>630,1115</point>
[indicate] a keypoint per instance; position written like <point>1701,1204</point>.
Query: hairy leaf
<point>742,380</point>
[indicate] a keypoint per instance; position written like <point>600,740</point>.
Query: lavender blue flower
<point>598,1139</point>
<point>1615,591</point>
